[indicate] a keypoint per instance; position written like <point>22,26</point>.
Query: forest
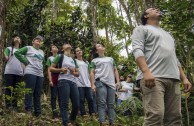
<point>84,23</point>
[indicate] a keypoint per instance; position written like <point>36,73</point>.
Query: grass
<point>20,118</point>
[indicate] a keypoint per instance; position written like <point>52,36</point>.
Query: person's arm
<point>116,73</point>
<point>92,79</point>
<point>54,64</point>
<point>138,41</point>
<point>147,75</point>
<point>92,76</point>
<point>187,84</point>
<point>75,71</point>
<point>20,55</point>
<point>6,54</point>
<point>117,76</point>
<point>48,63</point>
<point>123,90</point>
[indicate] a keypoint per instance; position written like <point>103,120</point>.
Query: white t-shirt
<point>68,62</point>
<point>35,58</point>
<point>104,70</point>
<point>83,79</point>
<point>129,88</point>
<point>13,65</point>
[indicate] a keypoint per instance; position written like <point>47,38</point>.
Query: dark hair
<point>50,53</point>
<point>94,54</point>
<point>74,51</point>
<point>13,43</point>
<point>143,19</point>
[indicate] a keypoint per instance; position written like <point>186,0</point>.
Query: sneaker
<point>104,124</point>
<point>29,113</point>
<point>137,89</point>
<point>71,124</point>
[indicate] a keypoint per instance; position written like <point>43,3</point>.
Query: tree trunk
<point>93,11</point>
<point>137,13</point>
<point>127,12</point>
<point>3,4</point>
<point>55,10</point>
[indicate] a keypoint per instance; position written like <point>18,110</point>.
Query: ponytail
<point>12,47</point>
<point>13,43</point>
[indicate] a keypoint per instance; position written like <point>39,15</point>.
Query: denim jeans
<point>35,84</point>
<point>54,94</point>
<point>105,100</point>
<point>86,92</point>
<point>68,89</point>
<point>119,102</point>
<point>94,102</point>
<point>11,80</point>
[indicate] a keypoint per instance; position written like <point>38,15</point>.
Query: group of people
<point>69,78</point>
<point>76,79</point>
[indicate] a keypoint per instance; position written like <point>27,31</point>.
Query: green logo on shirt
<point>38,56</point>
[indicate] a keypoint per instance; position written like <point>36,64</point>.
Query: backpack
<point>59,65</point>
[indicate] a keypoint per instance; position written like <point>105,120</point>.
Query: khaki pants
<point>162,103</point>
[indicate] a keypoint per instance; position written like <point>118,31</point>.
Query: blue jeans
<point>94,102</point>
<point>54,94</point>
<point>119,102</point>
<point>68,89</point>
<point>86,92</point>
<point>11,80</point>
<point>105,100</point>
<point>34,83</point>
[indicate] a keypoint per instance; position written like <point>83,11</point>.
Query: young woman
<point>67,83</point>
<point>83,83</point>
<point>32,57</point>
<point>13,71</point>
<point>103,75</point>
<point>126,89</point>
<point>53,78</point>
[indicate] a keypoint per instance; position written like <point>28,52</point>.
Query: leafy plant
<point>17,93</point>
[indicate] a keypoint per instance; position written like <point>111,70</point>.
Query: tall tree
<point>3,6</point>
<point>93,12</point>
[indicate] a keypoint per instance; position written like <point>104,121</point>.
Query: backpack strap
<point>75,62</point>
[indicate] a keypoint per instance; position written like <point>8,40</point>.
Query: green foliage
<point>18,93</point>
<point>70,21</point>
<point>130,121</point>
<point>133,107</point>
<point>133,104</point>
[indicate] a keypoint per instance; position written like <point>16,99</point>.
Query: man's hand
<point>118,85</point>
<point>149,79</point>
<point>187,85</point>
<point>93,87</point>
<point>51,83</point>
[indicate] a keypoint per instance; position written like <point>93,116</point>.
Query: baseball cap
<point>38,37</point>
